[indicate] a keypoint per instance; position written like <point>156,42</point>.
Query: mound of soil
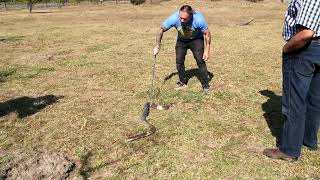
<point>41,166</point>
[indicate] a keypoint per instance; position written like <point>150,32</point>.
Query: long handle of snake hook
<point>153,77</point>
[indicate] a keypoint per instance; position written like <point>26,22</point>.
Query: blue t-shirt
<point>193,29</point>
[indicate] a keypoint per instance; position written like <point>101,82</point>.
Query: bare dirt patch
<point>41,166</point>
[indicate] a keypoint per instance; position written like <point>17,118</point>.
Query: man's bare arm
<point>207,44</point>
<point>159,37</point>
<point>207,38</point>
<point>298,41</point>
<point>158,41</point>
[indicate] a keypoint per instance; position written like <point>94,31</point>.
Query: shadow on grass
<point>122,153</point>
<point>190,73</point>
<point>86,170</point>
<point>272,113</point>
<point>41,12</point>
<point>26,106</point>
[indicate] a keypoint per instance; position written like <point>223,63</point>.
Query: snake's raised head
<point>146,110</point>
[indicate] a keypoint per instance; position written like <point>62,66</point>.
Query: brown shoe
<point>277,154</point>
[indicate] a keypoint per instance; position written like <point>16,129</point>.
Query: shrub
<point>254,0</point>
<point>137,2</point>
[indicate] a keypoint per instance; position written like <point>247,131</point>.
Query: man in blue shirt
<point>301,80</point>
<point>193,34</point>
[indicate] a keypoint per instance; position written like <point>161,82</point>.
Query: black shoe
<point>311,148</point>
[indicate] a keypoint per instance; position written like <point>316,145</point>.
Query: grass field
<point>75,80</point>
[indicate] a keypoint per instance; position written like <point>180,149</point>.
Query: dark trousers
<point>197,48</point>
<point>301,99</point>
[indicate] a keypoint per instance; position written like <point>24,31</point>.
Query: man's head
<point>186,13</point>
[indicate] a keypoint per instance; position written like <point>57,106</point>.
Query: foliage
<point>254,0</point>
<point>137,2</point>
<point>5,3</point>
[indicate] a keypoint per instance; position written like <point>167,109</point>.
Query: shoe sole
<point>181,89</point>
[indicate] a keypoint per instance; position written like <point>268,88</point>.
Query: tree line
<point>30,3</point>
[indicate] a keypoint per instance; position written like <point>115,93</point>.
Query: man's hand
<point>285,49</point>
<point>156,50</point>
<point>205,55</point>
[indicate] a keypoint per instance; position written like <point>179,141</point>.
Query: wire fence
<point>45,5</point>
<point>20,6</point>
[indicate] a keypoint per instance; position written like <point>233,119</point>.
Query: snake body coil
<point>143,119</point>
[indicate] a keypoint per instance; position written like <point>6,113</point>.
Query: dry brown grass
<point>99,59</point>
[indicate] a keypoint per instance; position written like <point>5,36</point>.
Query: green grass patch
<point>173,97</point>
<point>5,73</point>
<point>8,39</point>
<point>32,72</point>
<point>224,95</point>
<point>4,160</point>
<point>82,61</point>
<point>99,47</point>
<point>23,72</point>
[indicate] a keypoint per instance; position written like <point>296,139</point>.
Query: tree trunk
<point>116,1</point>
<point>46,3</point>
<point>30,4</point>
<point>5,6</point>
